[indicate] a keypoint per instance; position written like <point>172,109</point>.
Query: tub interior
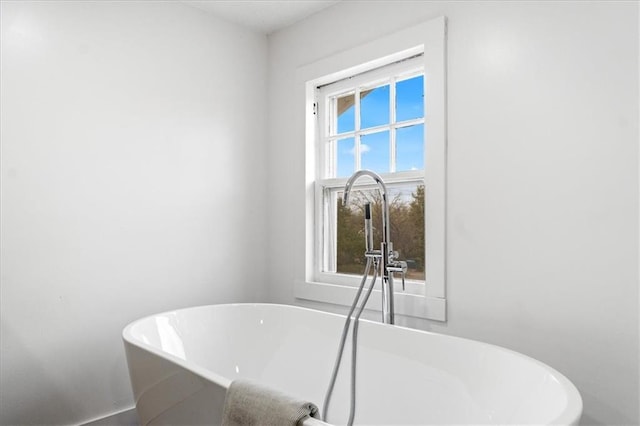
<point>401,379</point>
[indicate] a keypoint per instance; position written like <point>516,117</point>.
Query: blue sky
<point>374,111</point>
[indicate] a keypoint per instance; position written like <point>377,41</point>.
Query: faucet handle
<point>399,266</point>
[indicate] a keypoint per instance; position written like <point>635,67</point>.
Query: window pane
<point>345,161</point>
<point>345,111</point>
<point>410,148</point>
<point>406,215</point>
<point>350,234</point>
<point>410,98</point>
<point>374,107</point>
<point>374,151</point>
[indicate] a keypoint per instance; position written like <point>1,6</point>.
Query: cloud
<point>363,149</point>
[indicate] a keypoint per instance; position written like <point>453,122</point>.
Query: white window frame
<point>428,39</point>
<point>326,154</point>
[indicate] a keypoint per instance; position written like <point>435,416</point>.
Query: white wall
<point>542,178</point>
<point>132,182</point>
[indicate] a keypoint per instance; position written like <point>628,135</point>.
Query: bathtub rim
<point>570,415</point>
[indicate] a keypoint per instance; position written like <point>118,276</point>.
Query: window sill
<point>413,305</point>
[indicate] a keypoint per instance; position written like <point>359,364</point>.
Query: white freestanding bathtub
<point>181,363</point>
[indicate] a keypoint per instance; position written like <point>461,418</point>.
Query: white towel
<point>251,404</point>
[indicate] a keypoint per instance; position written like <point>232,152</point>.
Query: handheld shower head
<point>368,228</point>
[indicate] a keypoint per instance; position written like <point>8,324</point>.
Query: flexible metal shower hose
<point>354,343</point>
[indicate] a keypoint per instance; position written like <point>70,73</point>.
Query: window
<point>374,106</point>
<point>371,121</point>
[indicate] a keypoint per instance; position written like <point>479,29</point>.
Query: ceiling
<point>264,16</point>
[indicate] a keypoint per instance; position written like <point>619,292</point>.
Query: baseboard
<point>123,418</point>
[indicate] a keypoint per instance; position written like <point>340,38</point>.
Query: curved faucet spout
<point>383,193</point>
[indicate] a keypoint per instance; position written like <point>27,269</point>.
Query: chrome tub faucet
<point>385,258</point>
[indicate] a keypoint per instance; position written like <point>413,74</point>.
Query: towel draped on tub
<point>250,404</point>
